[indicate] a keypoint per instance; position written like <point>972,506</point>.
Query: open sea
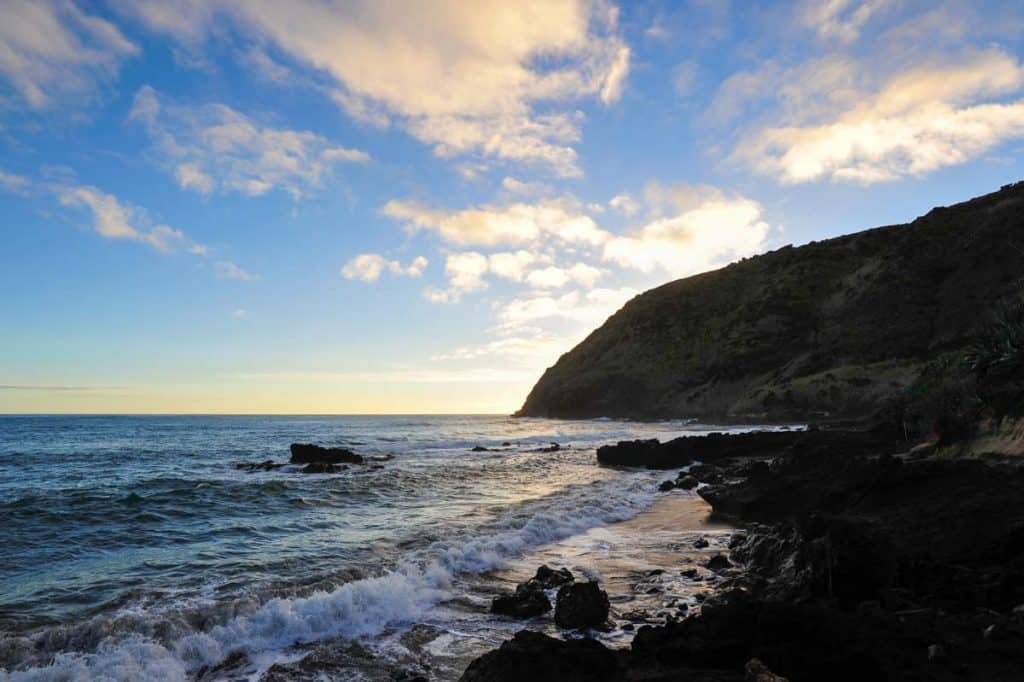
<point>133,548</point>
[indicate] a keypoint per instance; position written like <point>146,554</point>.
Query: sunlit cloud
<point>212,146</point>
<point>916,122</point>
<point>14,183</point>
<point>464,78</point>
<point>52,50</point>
<point>368,267</point>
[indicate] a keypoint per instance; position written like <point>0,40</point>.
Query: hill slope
<point>829,329</point>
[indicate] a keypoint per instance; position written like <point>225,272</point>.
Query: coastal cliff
<point>831,329</point>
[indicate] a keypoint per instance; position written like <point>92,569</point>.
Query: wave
<point>365,607</point>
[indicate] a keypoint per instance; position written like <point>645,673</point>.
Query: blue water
<point>134,547</point>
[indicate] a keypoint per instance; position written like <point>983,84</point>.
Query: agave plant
<point>999,350</point>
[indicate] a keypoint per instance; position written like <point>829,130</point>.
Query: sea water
<point>133,547</point>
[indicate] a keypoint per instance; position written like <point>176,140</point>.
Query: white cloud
<point>52,50</point>
<point>705,228</point>
<point>839,20</point>
<point>553,277</point>
<point>587,310</point>
<point>368,267</point>
<point>225,269</point>
<point>514,224</point>
<point>624,203</point>
<point>611,91</point>
<point>14,183</point>
<point>917,121</point>
<point>466,78</point>
<point>512,264</point>
<point>215,147</point>
<point>115,219</point>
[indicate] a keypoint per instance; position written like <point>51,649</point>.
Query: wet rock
<point>717,563</point>
<point>480,448</point>
<point>549,578</point>
<point>307,453</point>
<point>506,444</point>
<point>687,482</point>
<point>581,605</point>
<point>700,543</point>
<point>528,601</point>
<point>554,447</point>
<point>538,658</point>
<point>666,486</point>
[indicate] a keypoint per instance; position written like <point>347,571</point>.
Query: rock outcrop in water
<point>307,453</point>
<point>832,328</point>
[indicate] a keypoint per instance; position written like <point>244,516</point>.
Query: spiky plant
<point>999,349</point>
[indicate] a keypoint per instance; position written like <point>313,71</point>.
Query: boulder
<point>687,482</point>
<point>581,605</point>
<point>536,657</point>
<point>528,601</point>
<point>700,543</point>
<point>479,448</point>
<point>719,562</point>
<point>306,453</point>
<point>666,486</point>
<point>549,578</point>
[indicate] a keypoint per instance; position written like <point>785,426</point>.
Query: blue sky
<point>349,207</point>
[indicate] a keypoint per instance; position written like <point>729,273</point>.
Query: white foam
<point>365,607</point>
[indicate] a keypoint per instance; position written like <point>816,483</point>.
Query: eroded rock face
<point>307,453</point>
<point>581,605</point>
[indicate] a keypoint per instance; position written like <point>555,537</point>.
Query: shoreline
<point>861,559</point>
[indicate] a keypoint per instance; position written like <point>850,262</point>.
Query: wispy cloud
<point>214,147</point>
<point>465,78</point>
<point>51,50</point>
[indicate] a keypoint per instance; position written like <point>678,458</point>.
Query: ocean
<point>133,547</point>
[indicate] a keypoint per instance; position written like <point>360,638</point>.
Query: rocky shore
<point>862,558</point>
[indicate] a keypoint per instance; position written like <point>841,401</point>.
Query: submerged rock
<point>250,467</point>
<point>666,486</point>
<point>581,605</point>
<point>306,453</point>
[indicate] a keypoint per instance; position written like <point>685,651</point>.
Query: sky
<point>415,207</point>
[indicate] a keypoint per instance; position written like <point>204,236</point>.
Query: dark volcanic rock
<point>680,452</point>
<point>549,578</point>
<point>834,327</point>
<point>581,605</point>
<point>306,453</point>
<point>718,562</point>
<point>480,448</point>
<point>538,658</point>
<point>528,601</point>
<point>665,486</point>
<point>687,482</point>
